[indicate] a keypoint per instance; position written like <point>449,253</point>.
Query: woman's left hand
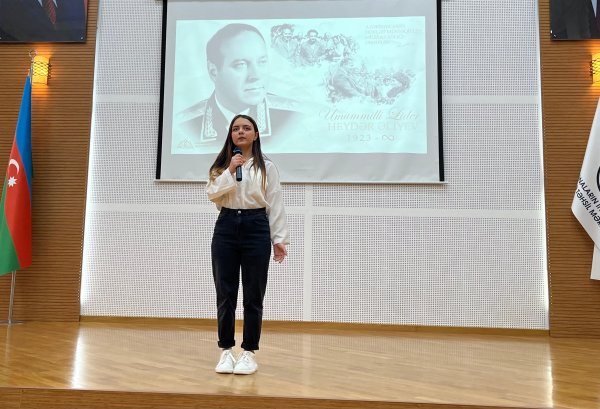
<point>279,252</point>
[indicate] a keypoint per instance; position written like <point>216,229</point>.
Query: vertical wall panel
<point>569,101</point>
<point>61,117</point>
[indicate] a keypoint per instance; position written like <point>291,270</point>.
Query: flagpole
<point>13,282</point>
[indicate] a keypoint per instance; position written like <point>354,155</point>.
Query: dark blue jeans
<point>241,240</point>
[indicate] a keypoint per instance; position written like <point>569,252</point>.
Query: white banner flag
<point>586,203</point>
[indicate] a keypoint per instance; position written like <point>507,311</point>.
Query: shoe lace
<point>224,356</point>
<point>246,357</point>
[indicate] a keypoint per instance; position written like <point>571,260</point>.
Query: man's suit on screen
<point>29,21</point>
<point>573,20</point>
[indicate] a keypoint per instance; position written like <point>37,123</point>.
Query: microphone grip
<point>238,170</point>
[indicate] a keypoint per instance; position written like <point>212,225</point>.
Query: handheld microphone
<point>238,170</point>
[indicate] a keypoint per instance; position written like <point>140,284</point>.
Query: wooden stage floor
<point>158,365</point>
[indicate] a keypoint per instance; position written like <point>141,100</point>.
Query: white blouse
<point>225,191</point>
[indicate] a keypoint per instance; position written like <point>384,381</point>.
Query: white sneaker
<point>246,364</point>
<point>226,362</point>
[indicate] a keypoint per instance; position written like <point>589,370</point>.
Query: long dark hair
<point>224,157</point>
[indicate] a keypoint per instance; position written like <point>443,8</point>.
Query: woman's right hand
<point>236,160</point>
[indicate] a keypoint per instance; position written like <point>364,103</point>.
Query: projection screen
<point>343,91</point>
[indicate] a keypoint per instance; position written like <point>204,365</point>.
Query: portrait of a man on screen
<point>237,63</point>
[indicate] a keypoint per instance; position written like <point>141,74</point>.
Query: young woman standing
<point>251,218</point>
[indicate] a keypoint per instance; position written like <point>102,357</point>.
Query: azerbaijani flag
<point>15,206</point>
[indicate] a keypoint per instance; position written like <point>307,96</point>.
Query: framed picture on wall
<point>574,19</point>
<point>38,21</point>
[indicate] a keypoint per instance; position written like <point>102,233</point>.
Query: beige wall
<point>49,289</point>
